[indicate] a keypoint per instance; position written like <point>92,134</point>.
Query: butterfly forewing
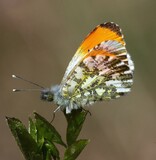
<point>101,69</point>
<point>103,32</point>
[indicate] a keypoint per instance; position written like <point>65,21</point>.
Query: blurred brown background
<point>38,39</point>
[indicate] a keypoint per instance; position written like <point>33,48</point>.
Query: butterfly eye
<point>47,95</point>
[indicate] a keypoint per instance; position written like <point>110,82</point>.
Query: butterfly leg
<point>87,111</point>
<point>57,109</point>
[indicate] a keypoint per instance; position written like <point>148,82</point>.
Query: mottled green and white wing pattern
<point>102,72</point>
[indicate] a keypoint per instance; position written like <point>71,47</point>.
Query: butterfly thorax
<point>54,94</point>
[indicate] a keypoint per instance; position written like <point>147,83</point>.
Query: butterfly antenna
<point>18,77</point>
<point>19,90</point>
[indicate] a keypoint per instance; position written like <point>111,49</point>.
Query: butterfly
<point>100,70</point>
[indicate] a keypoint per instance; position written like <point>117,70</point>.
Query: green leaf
<point>75,149</point>
<point>48,156</point>
<point>45,130</point>
<point>32,129</point>
<point>52,151</point>
<point>38,142</point>
<point>24,140</point>
<point>75,122</point>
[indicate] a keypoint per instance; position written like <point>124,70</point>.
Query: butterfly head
<point>48,94</point>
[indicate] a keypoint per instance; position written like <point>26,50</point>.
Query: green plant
<point>38,142</point>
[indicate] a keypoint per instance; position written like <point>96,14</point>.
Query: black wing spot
<point>112,26</point>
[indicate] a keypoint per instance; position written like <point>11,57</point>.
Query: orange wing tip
<point>103,32</point>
